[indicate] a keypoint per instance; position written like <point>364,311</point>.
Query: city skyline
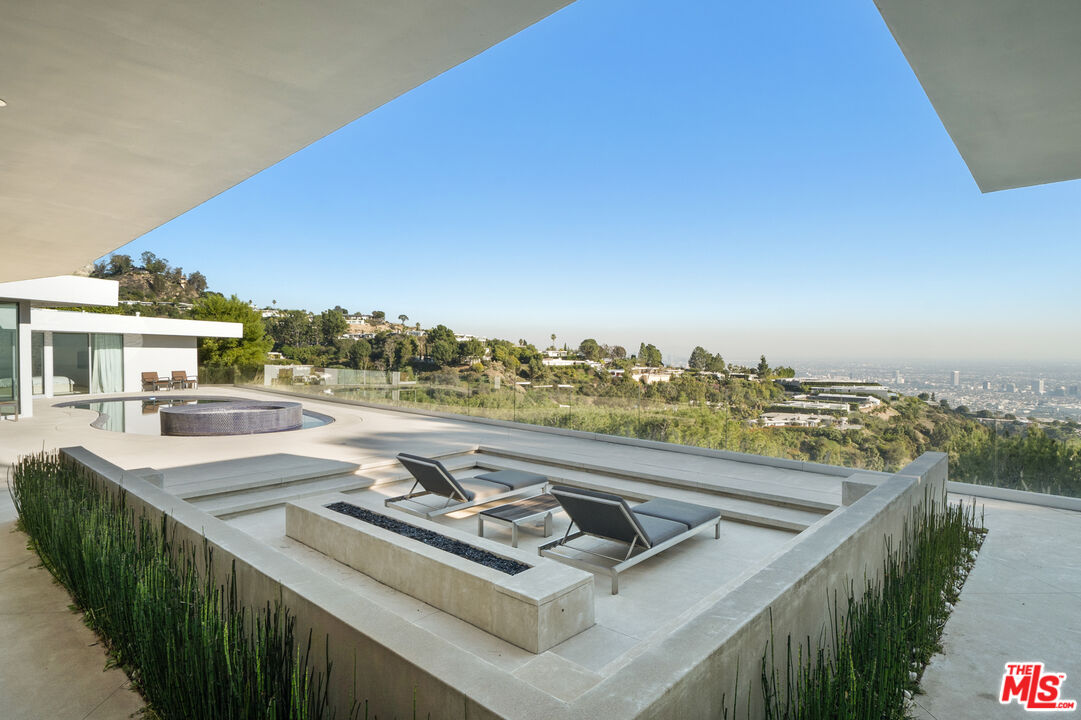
<point>619,167</point>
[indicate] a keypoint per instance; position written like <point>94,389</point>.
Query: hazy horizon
<point>752,179</point>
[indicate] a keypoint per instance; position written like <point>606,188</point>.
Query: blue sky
<point>749,177</point>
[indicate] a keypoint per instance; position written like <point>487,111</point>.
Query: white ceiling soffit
<point>122,114</point>
<point>62,290</point>
<point>1005,78</point>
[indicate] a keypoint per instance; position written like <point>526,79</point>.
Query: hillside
<point>154,281</point>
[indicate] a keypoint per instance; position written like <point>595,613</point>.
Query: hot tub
<point>243,417</point>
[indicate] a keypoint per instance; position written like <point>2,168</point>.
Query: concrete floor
<point>53,665</point>
<point>1021,603</point>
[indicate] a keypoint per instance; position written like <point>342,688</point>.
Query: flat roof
<point>1003,77</point>
<point>68,321</point>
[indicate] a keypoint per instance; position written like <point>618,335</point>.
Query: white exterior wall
<point>158,353</point>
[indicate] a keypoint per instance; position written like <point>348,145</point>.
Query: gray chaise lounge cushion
<point>658,529</point>
<point>513,479</point>
<point>479,489</point>
<point>653,522</point>
<point>436,479</point>
<point>688,514</point>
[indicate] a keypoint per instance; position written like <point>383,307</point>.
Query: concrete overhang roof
<point>123,114</point>
<point>61,291</point>
<point>1003,77</point>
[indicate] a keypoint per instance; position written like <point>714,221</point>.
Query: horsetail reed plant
<point>877,648</point>
<point>188,643</point>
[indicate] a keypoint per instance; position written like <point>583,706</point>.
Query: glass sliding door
<point>37,362</point>
<point>107,363</point>
<point>71,363</point>
<point>9,356</point>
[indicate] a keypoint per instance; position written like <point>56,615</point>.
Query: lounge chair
<point>156,382</point>
<point>648,528</point>
<point>182,380</point>
<point>459,494</point>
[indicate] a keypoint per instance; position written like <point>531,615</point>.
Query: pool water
<point>139,416</point>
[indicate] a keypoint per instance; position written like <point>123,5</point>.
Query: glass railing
<point>1003,453</point>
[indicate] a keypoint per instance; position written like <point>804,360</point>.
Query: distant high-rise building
<point>1037,386</point>
<point>898,377</point>
<point>1010,387</point>
<point>986,385</point>
<point>1074,390</point>
<point>956,378</point>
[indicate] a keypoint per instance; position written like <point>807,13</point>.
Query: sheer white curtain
<point>107,363</point>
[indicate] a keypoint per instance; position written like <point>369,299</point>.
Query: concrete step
<point>707,484</point>
<point>272,496</point>
<point>205,480</point>
<point>257,495</point>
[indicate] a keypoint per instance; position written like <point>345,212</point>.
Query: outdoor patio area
<point>767,507</point>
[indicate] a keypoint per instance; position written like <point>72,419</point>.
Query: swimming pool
<point>139,415</point>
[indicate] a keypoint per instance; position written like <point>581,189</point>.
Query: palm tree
<point>553,340</point>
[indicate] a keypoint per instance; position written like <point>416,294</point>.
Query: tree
<point>470,350</point>
<point>342,310</point>
<point>763,368</point>
<point>197,281</point>
<point>359,353</point>
<point>590,349</point>
<point>617,352</point>
<point>119,264</point>
<point>293,328</point>
<point>249,349</point>
<point>536,367</point>
<point>440,332</point>
<point>402,318</point>
<point>699,358</point>
<point>378,317</point>
<point>649,355</point>
<point>332,325</point>
<point>153,264</point>
<point>405,349</point>
<point>442,352</point>
<point>716,364</point>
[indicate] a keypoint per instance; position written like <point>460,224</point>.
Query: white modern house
<point>47,352</point>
